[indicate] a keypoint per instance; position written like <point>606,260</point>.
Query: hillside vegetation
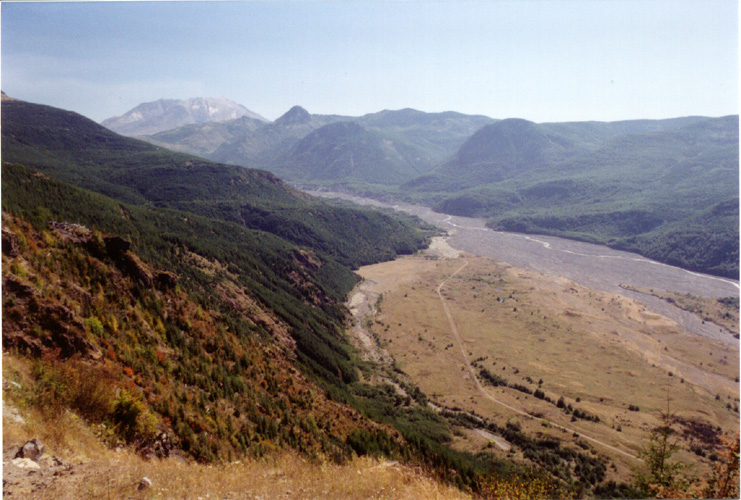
<point>180,307</point>
<point>174,332</point>
<point>667,190</point>
<point>386,148</point>
<point>74,149</point>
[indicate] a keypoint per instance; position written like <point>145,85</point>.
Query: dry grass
<point>99,472</point>
<point>286,477</point>
<point>604,349</point>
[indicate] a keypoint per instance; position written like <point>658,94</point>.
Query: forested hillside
<point>661,188</point>
<point>74,149</point>
<point>383,149</point>
<point>191,336</point>
<point>200,334</point>
<point>667,189</point>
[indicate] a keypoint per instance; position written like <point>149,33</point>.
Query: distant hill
<point>640,185</point>
<point>499,151</point>
<point>166,114</point>
<point>77,150</point>
<point>259,147</point>
<point>396,145</point>
<point>345,152</point>
<point>202,139</point>
<point>439,135</point>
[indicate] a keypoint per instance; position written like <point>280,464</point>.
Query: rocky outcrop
<point>165,280</point>
<point>132,266</point>
<point>144,484</point>
<point>33,450</point>
<point>117,249</point>
<point>71,232</point>
<point>13,285</point>
<point>160,447</point>
<point>116,246</point>
<point>306,259</point>
<point>10,243</point>
<point>25,477</point>
<point>36,325</point>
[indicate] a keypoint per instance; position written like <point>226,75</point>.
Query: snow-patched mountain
<point>167,114</point>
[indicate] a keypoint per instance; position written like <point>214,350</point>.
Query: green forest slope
<point>666,189</point>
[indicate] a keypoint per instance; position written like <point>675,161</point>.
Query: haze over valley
<point>476,250</point>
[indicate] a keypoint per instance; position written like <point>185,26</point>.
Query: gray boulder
<point>33,449</point>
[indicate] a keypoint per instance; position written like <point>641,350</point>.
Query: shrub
<point>131,418</point>
<point>94,326</point>
<point>491,378</point>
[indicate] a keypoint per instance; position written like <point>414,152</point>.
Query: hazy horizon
<point>549,61</point>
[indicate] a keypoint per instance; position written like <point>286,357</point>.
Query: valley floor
<point>445,316</point>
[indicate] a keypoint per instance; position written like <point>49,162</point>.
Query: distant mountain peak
<point>294,116</point>
<point>166,114</point>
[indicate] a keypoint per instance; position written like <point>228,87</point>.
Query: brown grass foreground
<point>98,472</point>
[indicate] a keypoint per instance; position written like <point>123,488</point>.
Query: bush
<point>131,418</point>
<point>94,326</point>
<point>491,378</point>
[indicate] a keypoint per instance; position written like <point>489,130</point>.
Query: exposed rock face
<point>307,259</point>
<point>25,477</point>
<point>10,243</point>
<point>37,324</point>
<point>12,284</point>
<point>62,328</point>
<point>26,463</point>
<point>117,249</point>
<point>116,246</point>
<point>136,269</point>
<point>166,280</point>
<point>71,232</point>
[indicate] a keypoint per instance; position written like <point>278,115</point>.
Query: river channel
<point>594,266</point>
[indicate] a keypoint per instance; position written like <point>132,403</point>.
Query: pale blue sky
<point>542,60</point>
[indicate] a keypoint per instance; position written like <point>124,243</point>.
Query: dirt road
<point>482,390</point>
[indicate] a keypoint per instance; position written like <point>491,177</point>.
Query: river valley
<point>593,266</point>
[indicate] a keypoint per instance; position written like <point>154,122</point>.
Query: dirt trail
<point>482,389</point>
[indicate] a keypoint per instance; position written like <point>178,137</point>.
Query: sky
<point>545,61</point>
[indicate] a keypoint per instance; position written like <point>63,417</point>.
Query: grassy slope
<point>96,471</point>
